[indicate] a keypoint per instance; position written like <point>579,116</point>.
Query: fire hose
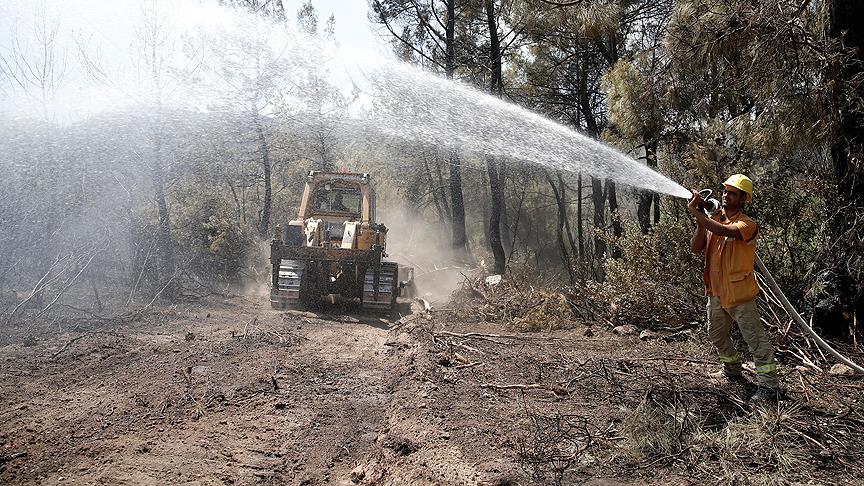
<point>800,321</point>
<point>711,206</point>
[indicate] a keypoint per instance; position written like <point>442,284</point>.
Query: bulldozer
<point>336,248</point>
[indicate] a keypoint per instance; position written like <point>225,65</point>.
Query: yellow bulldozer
<point>335,248</point>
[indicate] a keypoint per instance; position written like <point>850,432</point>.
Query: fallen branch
<point>73,340</point>
<point>69,343</point>
<point>554,388</point>
<point>14,455</point>
<point>516,337</point>
<point>669,358</point>
<point>246,327</point>
<point>482,337</point>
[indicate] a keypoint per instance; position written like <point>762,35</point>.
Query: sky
<point>107,30</point>
<point>352,24</point>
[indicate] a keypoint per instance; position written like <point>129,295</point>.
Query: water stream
<point>223,57</point>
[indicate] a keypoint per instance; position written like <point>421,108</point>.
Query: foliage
<point>657,281</point>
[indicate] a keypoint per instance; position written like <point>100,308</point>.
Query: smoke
<point>414,241</point>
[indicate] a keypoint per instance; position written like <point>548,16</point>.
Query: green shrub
<point>657,280</point>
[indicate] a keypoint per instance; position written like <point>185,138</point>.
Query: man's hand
<point>694,205</point>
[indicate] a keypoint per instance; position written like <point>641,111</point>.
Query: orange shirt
<point>729,262</point>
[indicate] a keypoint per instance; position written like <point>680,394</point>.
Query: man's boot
<point>765,396</point>
<point>729,375</point>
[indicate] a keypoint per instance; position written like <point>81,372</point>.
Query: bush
<point>657,280</point>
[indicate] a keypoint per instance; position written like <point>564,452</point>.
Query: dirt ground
<point>229,391</point>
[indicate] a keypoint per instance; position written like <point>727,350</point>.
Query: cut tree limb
<point>554,388</point>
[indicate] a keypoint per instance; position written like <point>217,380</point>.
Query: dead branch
<point>68,343</point>
<point>246,327</point>
<point>482,337</point>
<point>670,358</point>
<point>554,388</point>
<point>9,457</point>
<point>75,339</point>
<point>67,286</point>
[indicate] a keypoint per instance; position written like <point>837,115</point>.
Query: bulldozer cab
<point>338,196</point>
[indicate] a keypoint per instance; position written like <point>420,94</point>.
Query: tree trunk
<point>441,190</point>
<point>457,208</point>
<point>847,153</point>
<point>617,229</point>
<point>569,230</point>
<point>599,199</point>
<point>496,195</point>
<point>166,245</point>
<point>264,150</point>
<point>457,202</point>
<point>579,234</point>
<point>496,182</point>
<point>450,40</point>
<point>560,194</point>
<point>505,219</point>
<point>648,198</point>
<point>439,209</point>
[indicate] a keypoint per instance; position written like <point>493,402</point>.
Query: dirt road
<point>228,393</point>
<point>232,392</point>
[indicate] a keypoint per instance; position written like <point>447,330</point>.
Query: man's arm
<point>703,222</point>
<point>700,238</point>
<point>717,228</point>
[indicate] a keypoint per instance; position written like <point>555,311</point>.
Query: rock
<point>841,369</point>
<point>444,360</point>
<point>648,334</point>
<point>493,279</point>
<point>357,474</point>
<point>588,332</point>
<point>625,330</point>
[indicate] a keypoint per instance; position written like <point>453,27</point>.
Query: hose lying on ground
<point>803,325</point>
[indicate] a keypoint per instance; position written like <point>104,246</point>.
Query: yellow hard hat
<point>741,182</point>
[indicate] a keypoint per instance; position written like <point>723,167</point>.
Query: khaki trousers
<point>746,316</point>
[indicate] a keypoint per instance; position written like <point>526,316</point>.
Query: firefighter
<point>728,239</point>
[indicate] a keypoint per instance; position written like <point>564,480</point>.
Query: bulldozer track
<point>387,287</point>
<point>290,279</point>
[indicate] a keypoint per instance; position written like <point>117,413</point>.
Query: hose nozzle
<point>710,205</point>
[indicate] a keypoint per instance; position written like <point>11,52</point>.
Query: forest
<point>156,197</point>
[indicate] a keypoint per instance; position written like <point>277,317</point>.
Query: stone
<point>841,369</point>
<point>357,474</point>
<point>625,330</point>
<point>648,334</point>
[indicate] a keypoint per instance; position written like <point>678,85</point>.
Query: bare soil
<point>232,392</point>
